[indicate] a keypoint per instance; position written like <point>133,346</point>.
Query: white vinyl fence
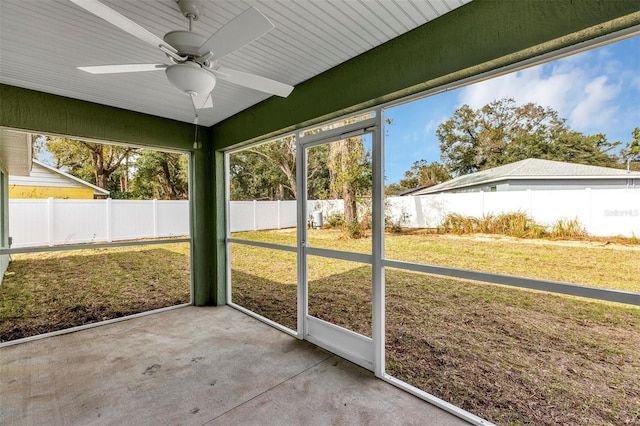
<point>53,222</point>
<point>257,215</point>
<point>603,212</point>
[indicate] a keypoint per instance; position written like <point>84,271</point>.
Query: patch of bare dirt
<point>589,243</point>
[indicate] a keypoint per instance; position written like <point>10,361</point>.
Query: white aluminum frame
<point>350,345</point>
<point>377,258</point>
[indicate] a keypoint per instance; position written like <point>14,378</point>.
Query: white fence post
<point>155,218</point>
<point>255,215</point>
<point>108,220</point>
<point>278,214</point>
<point>51,221</point>
<point>589,211</point>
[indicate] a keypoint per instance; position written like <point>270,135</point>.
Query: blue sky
<point>597,91</point>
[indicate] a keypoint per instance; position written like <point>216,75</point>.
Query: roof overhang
<point>504,179</point>
<point>16,152</point>
<point>96,189</point>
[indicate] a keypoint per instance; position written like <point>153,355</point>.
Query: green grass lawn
<point>591,263</point>
<point>45,292</point>
<point>509,355</point>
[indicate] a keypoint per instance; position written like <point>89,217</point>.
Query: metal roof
<point>42,42</point>
<point>531,168</point>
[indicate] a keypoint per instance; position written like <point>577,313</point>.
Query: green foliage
<point>350,171</point>
<point>354,230</point>
<point>335,220</point>
<point>90,161</point>
<point>160,175</point>
<point>127,173</point>
<point>514,224</point>
<point>502,132</point>
<point>336,170</point>
<point>630,154</point>
<point>264,172</point>
<point>420,174</point>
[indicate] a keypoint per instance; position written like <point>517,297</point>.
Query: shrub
<point>455,223</point>
<point>568,228</point>
<point>515,224</point>
<point>335,220</point>
<point>355,230</point>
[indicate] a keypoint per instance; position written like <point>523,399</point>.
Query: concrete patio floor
<point>195,366</point>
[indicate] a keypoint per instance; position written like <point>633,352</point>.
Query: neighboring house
<point>533,173</point>
<point>48,182</point>
<point>412,190</point>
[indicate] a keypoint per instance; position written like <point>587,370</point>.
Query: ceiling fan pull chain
<point>196,145</point>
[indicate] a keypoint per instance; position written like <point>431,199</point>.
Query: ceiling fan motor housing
<point>186,43</point>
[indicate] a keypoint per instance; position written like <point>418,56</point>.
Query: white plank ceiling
<point>43,41</point>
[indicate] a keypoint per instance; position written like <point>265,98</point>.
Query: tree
<point>104,160</point>
<point>282,154</point>
<point>350,178</point>
<point>160,175</point>
<point>631,151</point>
<point>340,170</point>
<point>503,132</point>
<point>422,173</point>
<point>265,171</point>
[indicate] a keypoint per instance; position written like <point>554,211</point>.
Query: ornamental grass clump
<point>515,224</point>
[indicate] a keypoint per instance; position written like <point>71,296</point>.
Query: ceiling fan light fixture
<point>189,78</point>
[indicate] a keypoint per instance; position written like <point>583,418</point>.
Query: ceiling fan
<point>192,58</point>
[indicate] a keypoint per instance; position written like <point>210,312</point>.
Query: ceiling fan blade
<point>243,29</point>
<point>122,22</point>
<point>253,81</point>
<point>116,69</point>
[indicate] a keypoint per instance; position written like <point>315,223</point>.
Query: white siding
<point>41,176</point>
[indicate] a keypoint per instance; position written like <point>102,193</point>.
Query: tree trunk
<point>166,180</point>
<point>291,178</point>
<point>348,191</point>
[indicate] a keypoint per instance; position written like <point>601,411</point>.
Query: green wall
<point>45,113</point>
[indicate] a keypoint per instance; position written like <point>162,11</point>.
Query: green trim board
<point>202,238</point>
<point>481,36</point>
<point>39,112</point>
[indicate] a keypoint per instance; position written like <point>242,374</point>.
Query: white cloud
<point>430,127</point>
<point>582,88</point>
<point>595,109</point>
